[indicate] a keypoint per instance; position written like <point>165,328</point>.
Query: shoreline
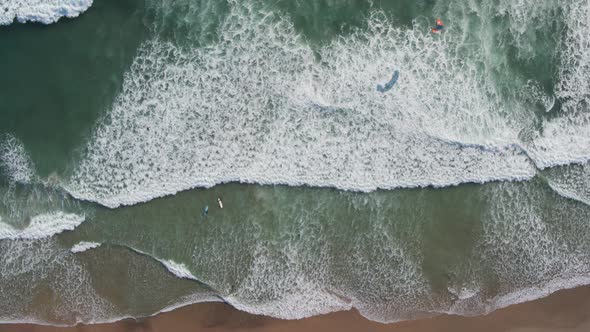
<point>564,311</point>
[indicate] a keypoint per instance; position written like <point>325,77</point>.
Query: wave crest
<point>42,11</point>
<point>246,109</point>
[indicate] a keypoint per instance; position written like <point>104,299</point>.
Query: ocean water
<point>464,189</point>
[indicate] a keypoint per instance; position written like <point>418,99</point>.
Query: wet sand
<point>564,311</point>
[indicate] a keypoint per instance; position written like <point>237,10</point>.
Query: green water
<point>60,79</point>
<point>444,195</point>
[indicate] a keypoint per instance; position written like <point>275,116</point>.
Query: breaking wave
<point>261,105</point>
<point>178,269</point>
<point>249,108</point>
<point>42,226</point>
<point>15,163</point>
<point>84,246</point>
<point>42,11</point>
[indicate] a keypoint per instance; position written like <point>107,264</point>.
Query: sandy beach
<point>564,311</point>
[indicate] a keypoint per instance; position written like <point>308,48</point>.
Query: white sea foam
<point>178,269</point>
<point>199,117</point>
<point>566,138</point>
<point>42,226</point>
<point>571,182</point>
<point>301,303</point>
<point>519,242</point>
<point>464,293</point>
<point>83,246</point>
<point>529,253</point>
<point>280,287</point>
<point>258,107</point>
<point>42,11</point>
<point>537,292</point>
<point>26,265</point>
<point>520,245</point>
<point>575,60</point>
<point>472,304</point>
<point>299,276</point>
<point>14,160</point>
<point>181,302</point>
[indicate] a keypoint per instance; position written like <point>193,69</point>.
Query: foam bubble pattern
<point>379,294</point>
<point>280,286</point>
<point>259,107</point>
<point>527,253</point>
<point>301,270</point>
<point>27,265</point>
<point>566,138</point>
<point>42,11</point>
<point>84,246</point>
<point>572,182</point>
<point>15,163</point>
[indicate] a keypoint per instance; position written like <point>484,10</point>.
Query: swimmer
<point>439,26</point>
<point>206,210</point>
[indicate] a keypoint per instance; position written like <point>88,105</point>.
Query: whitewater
<point>262,106</point>
<point>41,11</point>
<point>263,103</point>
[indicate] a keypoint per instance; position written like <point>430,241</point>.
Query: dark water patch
<point>451,233</point>
<point>58,79</point>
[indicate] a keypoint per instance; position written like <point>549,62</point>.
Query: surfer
<point>439,26</point>
<point>206,210</point>
<point>220,202</point>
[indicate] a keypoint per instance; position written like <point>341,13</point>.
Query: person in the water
<point>439,26</point>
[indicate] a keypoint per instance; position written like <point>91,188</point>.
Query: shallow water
<point>463,189</point>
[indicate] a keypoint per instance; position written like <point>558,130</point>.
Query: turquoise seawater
<point>463,189</point>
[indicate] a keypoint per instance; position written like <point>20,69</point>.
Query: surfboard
<point>220,202</point>
<point>390,84</point>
